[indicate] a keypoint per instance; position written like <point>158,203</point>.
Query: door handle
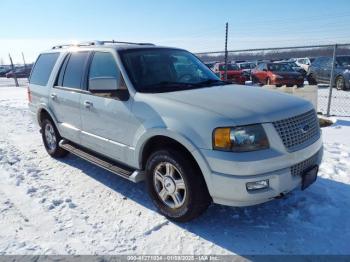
<point>88,104</point>
<point>53,96</point>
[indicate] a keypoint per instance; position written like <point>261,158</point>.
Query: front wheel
<point>176,186</point>
<point>51,138</point>
<point>311,79</point>
<point>340,83</point>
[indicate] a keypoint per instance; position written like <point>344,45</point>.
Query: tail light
<point>29,95</point>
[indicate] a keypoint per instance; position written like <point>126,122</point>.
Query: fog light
<point>257,185</point>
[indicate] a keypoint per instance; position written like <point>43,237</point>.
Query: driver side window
<point>103,66</point>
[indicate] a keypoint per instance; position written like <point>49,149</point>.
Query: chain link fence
<point>333,66</point>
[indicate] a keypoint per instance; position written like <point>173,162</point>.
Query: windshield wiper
<point>166,86</point>
<point>211,82</point>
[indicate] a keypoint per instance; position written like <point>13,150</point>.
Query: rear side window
<point>43,68</point>
<point>75,69</point>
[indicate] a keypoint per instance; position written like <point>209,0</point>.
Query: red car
<point>278,74</point>
<point>234,73</point>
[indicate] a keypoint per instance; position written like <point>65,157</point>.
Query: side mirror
<point>103,84</point>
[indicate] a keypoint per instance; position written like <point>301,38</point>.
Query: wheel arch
<point>43,112</point>
<point>158,142</point>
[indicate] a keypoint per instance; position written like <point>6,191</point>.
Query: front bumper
<point>231,171</point>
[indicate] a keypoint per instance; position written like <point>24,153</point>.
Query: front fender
<point>183,140</point>
<point>148,134</point>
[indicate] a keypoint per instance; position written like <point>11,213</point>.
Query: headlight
<point>240,139</point>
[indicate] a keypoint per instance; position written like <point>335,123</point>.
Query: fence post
<point>13,70</point>
<point>331,81</point>
<point>225,77</point>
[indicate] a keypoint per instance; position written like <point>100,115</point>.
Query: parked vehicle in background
<point>159,114</point>
<point>21,72</point>
<point>295,67</point>
<point>276,74</point>
<point>321,69</point>
<point>302,62</point>
<point>210,65</point>
<point>247,67</point>
<point>234,73</point>
<point>4,71</point>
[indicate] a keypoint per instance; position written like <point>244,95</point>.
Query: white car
<point>159,114</point>
<point>302,62</point>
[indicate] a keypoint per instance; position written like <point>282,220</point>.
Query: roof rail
<point>91,43</point>
<point>121,42</point>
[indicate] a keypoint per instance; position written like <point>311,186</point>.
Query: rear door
<point>327,69</point>
<point>320,69</point>
<point>65,96</point>
<point>107,123</point>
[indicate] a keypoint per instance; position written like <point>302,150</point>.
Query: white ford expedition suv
<point>159,114</point>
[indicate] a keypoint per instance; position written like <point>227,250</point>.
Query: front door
<point>108,126</point>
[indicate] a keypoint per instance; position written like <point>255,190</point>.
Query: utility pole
<point>331,81</point>
<point>225,77</point>
<point>13,71</point>
<point>24,61</point>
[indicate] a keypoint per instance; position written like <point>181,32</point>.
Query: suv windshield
<point>280,68</point>
<point>155,70</point>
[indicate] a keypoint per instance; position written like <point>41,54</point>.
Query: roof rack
<point>91,43</point>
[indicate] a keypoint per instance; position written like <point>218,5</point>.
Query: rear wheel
<point>340,83</point>
<point>255,80</point>
<point>175,186</point>
<point>51,138</point>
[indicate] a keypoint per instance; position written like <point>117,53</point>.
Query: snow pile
<point>72,207</point>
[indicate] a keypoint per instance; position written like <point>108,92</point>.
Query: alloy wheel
<point>169,185</point>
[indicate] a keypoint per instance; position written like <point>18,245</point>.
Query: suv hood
<point>242,104</point>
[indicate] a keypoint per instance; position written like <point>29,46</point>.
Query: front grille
<point>300,168</point>
<point>298,131</point>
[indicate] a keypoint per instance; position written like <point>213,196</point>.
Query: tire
<point>51,138</point>
<point>176,186</point>
<point>254,80</point>
<point>299,86</point>
<point>340,83</point>
<point>311,79</point>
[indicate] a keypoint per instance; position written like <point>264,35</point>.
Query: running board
<point>110,165</point>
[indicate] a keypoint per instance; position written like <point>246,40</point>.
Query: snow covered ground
<point>69,206</point>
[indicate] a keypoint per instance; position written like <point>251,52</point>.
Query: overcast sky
<point>196,25</point>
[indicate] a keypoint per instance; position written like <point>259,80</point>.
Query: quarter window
<point>43,68</point>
